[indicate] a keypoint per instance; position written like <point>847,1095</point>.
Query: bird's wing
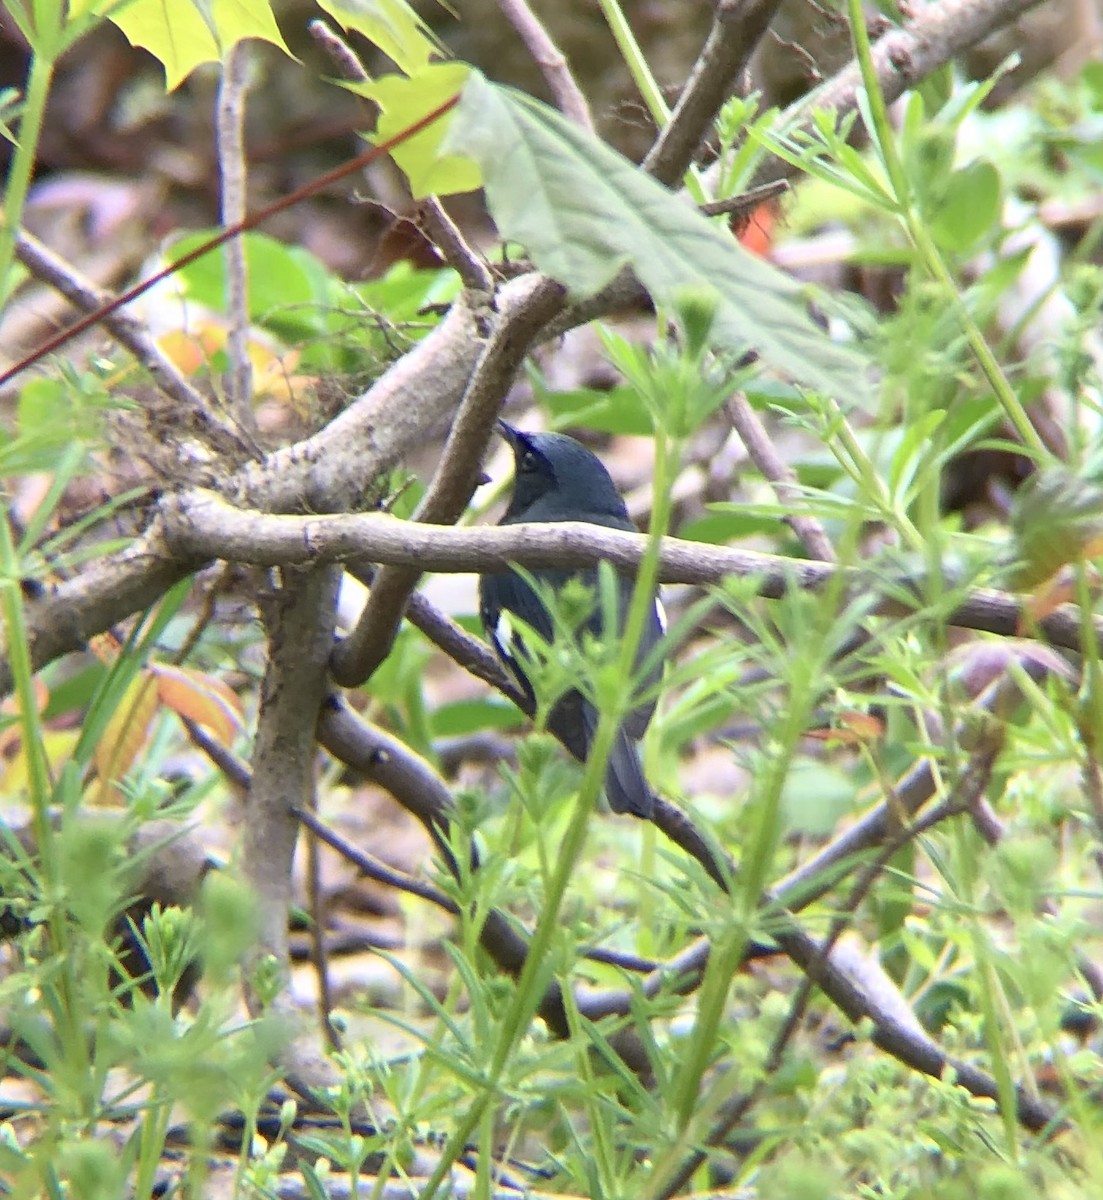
<point>497,606</point>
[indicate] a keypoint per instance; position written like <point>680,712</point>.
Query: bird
<point>557,479</point>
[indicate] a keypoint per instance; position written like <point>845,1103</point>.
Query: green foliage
<point>582,212</point>
<point>338,327</point>
<point>460,1062</point>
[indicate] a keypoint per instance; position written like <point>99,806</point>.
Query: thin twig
<point>551,62</point>
<point>373,868</point>
<point>746,202</point>
<point>782,479</point>
<point>445,234</point>
<point>319,954</point>
<point>232,176</point>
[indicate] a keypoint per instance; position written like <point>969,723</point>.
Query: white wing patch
<point>502,636</point>
<point>660,612</point>
<point>504,639</point>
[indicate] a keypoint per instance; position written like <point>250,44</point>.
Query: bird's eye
<point>527,463</point>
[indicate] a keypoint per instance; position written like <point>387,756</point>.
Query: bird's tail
<point>625,787</point>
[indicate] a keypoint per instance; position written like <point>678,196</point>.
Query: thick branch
<point>736,30</point>
<point>200,525</point>
<point>333,470</point>
<point>455,480</point>
<point>906,56</point>
<point>102,594</point>
<point>300,620</point>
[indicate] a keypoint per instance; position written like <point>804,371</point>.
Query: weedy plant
<point>849,955</point>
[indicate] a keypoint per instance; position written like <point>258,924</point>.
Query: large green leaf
<point>583,212</point>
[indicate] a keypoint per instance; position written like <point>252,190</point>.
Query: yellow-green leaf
<point>392,25</point>
<point>405,101</point>
<point>185,33</point>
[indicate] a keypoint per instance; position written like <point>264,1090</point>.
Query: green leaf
<point>727,524</point>
<point>463,717</point>
<point>279,276</point>
<point>185,33</point>
<point>393,26</point>
<point>583,212</point>
<point>909,454</point>
<point>619,410</point>
<point>969,208</point>
<point>403,103</point>
<point>815,798</point>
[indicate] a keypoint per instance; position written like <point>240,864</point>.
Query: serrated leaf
<point>583,212</point>
<point>184,33</point>
<point>393,26</point>
<point>430,169</point>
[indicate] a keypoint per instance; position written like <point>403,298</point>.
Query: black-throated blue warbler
<point>557,479</point>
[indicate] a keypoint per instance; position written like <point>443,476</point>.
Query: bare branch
<point>736,30</point>
<point>549,58</point>
<point>64,618</point>
<point>332,471</point>
<point>232,175</point>
<point>904,57</point>
<point>455,480</point>
<point>300,619</point>
<point>200,525</point>
<point>746,202</point>
<point>445,234</point>
<point>782,478</point>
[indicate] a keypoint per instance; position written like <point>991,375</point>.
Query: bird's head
<point>558,479</point>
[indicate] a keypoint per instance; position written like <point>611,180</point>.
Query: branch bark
<point>902,58</point>
<point>300,617</point>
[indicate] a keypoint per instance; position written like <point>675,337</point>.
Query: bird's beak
<point>518,443</point>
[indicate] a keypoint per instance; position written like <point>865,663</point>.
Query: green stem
<point>648,85</point>
<point>526,997</point>
<point>22,669</point>
<point>921,239</point>
<point>22,165</point>
<point>861,468</point>
<point>637,65</point>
